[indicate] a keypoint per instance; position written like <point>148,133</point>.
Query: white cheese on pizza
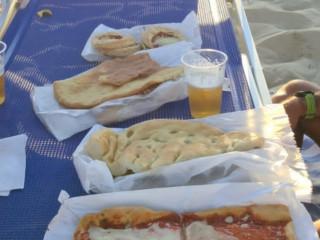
<point>201,230</point>
<point>153,232</point>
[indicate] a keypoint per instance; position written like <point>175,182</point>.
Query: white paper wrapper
<point>182,199</point>
<point>63,123</point>
<point>12,163</point>
<point>188,27</point>
<point>278,161</point>
<point>51,114</point>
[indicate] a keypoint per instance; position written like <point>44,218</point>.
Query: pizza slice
<point>255,222</point>
<point>129,223</point>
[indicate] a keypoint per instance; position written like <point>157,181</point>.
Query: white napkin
<point>12,163</point>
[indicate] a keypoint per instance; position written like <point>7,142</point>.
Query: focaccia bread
<point>112,79</point>
<point>160,142</point>
<point>129,223</point>
<point>263,222</point>
<point>102,144</point>
<point>243,141</point>
<point>158,36</point>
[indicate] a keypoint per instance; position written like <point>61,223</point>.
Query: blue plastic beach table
<point>41,50</point>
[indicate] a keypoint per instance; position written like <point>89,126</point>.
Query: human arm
<point>296,109</point>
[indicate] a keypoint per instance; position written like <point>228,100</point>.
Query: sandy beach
<point>287,38</point>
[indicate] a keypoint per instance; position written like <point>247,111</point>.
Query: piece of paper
<point>182,199</point>
<point>12,163</point>
<point>278,160</point>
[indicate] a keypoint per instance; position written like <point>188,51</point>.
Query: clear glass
<point>205,74</point>
<point>3,48</point>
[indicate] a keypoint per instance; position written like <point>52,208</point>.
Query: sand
<point>287,38</point>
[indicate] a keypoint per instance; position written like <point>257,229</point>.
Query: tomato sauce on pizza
<point>254,222</point>
<point>262,222</point>
<point>129,223</point>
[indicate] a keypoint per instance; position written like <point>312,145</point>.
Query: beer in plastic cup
<point>3,47</point>
<point>204,72</point>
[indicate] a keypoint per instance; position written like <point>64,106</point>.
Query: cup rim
<point>202,50</point>
<point>3,47</point>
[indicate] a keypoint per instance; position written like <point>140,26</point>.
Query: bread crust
<point>115,44</point>
<point>124,217</point>
<point>102,144</point>
<point>262,215</point>
<point>112,40</point>
<point>155,36</point>
<point>121,52</point>
<point>243,141</point>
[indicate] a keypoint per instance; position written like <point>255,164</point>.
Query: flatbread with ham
<point>113,79</point>
<point>120,71</point>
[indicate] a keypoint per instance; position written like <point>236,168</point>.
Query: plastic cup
<point>3,48</point>
<point>205,74</point>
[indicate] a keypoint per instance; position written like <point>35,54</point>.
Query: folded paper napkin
<point>12,163</point>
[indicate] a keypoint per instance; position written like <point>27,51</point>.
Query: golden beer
<point>204,101</point>
<point>205,74</point>
<point>2,89</point>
